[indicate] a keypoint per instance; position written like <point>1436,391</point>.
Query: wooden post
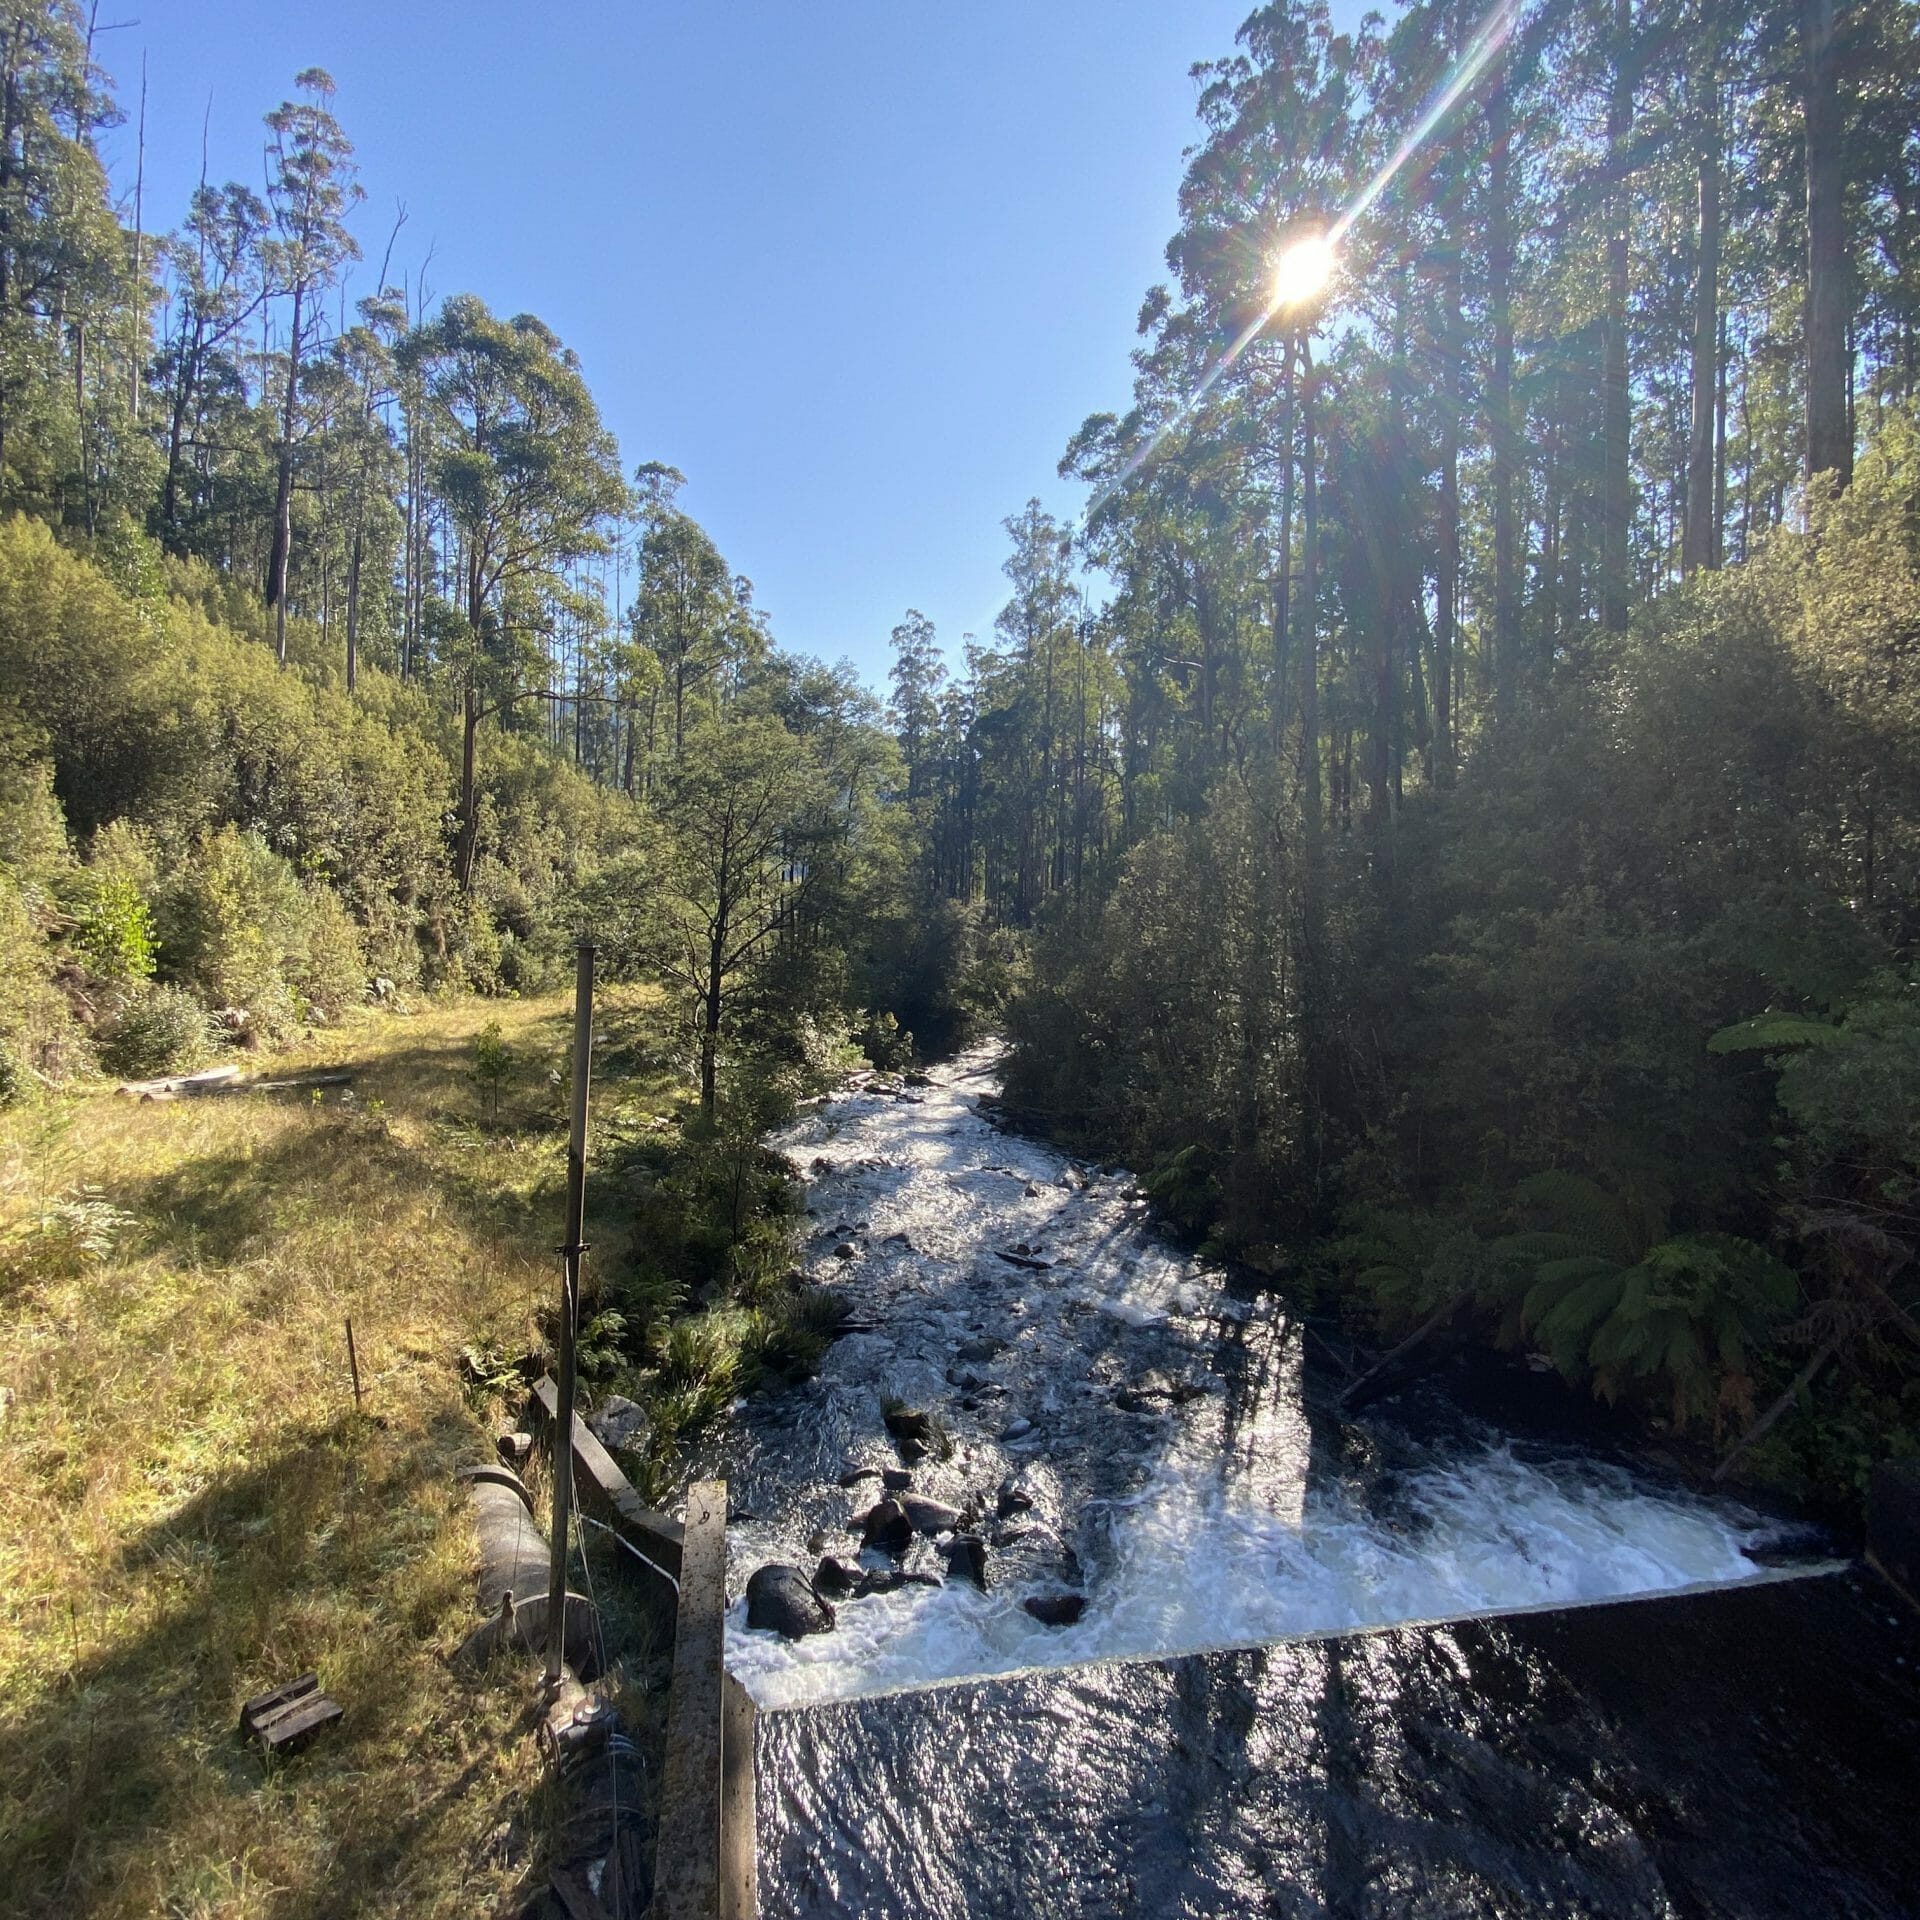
<point>570,1258</point>
<point>687,1853</point>
<point>353,1362</point>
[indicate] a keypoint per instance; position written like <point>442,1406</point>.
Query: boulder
<point>782,1600</point>
<point>1056,1609</point>
<point>619,1422</point>
<point>835,1580</point>
<point>895,1479</point>
<point>967,1559</point>
<point>1013,1499</point>
<point>845,1250</point>
<point>886,1527</point>
<point>916,1434</point>
<point>929,1516</point>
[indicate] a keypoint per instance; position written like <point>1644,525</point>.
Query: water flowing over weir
<point>1132,1430</point>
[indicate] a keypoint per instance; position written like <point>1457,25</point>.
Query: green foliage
<point>113,925</point>
<point>1773,1033</point>
<point>1183,1186</point>
<point>159,1031</point>
<point>1612,1297</point>
<point>492,1068</point>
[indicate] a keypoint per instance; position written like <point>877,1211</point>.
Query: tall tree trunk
<point>283,491</point>
<point>1616,395</point>
<point>468,842</point>
<point>1283,575</point>
<point>1500,428</point>
<point>1829,444</point>
<point>1699,536</point>
<point>1446,586</point>
<point>353,607</point>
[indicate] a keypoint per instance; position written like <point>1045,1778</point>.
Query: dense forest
<point>1447,813</point>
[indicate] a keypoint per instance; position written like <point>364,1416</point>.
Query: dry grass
<point>194,1512</point>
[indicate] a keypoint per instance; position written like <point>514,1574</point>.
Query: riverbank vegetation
<point>1448,815</point>
<point>1469,857</point>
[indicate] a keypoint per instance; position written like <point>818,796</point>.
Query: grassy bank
<point>196,1512</point>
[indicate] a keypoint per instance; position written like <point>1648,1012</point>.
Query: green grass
<point>194,1510</point>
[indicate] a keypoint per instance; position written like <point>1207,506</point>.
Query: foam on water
<point>1199,1524</point>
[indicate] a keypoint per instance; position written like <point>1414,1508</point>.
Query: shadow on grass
<point>131,1757</point>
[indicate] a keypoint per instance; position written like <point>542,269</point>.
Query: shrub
<point>37,1032</point>
<point>492,1066</point>
<point>330,971</point>
<point>113,926</point>
<point>161,1031</point>
<point>230,921</point>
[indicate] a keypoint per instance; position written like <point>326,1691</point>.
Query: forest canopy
<point>1446,812</point>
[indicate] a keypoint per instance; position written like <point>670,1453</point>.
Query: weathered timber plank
<point>739,1860</point>
<point>296,1723</point>
<point>275,1698</point>
<point>603,1489</point>
<point>687,1854</point>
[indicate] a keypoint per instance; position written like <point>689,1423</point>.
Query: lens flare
<point>1302,271</point>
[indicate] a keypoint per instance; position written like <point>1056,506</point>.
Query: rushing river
<point>1131,1437</point>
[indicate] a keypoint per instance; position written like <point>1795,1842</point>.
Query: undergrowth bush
<point>163,1030</point>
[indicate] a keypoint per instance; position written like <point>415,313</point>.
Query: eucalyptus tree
<point>62,265</point>
<point>529,478</point>
<point>744,814</point>
<point>684,607</point>
<point>311,187</point>
<point>216,283</point>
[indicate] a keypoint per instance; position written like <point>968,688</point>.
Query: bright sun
<point>1302,271</point>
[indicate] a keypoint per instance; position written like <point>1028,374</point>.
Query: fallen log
<point>207,1080</point>
<point>212,1080</point>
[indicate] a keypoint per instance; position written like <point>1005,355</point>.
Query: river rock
<point>967,1559</point>
<point>979,1350</point>
<point>1013,1499</point>
<point>918,1079</point>
<point>879,1580</point>
<point>930,1516</point>
<point>845,1250</point>
<point>854,1475</point>
<point>835,1580</point>
<point>781,1600</point>
<point>1016,1429</point>
<point>1056,1609</point>
<point>886,1527</point>
<point>895,1479</point>
<point>618,1422</point>
<point>916,1434</point>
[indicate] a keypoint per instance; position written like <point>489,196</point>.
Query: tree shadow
<point>250,1582</point>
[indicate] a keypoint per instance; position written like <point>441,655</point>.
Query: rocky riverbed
<point>1052,1437</point>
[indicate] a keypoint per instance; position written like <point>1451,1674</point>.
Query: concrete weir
<point>1746,1752</point>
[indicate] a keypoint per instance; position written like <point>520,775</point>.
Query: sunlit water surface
<point>1185,1477</point>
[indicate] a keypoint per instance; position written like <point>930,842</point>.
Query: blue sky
<point>857,269</point>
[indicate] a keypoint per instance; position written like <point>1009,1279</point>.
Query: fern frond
<point>1581,1209</point>
<point>1773,1033</point>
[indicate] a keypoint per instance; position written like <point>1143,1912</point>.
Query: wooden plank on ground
<point>687,1853</point>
